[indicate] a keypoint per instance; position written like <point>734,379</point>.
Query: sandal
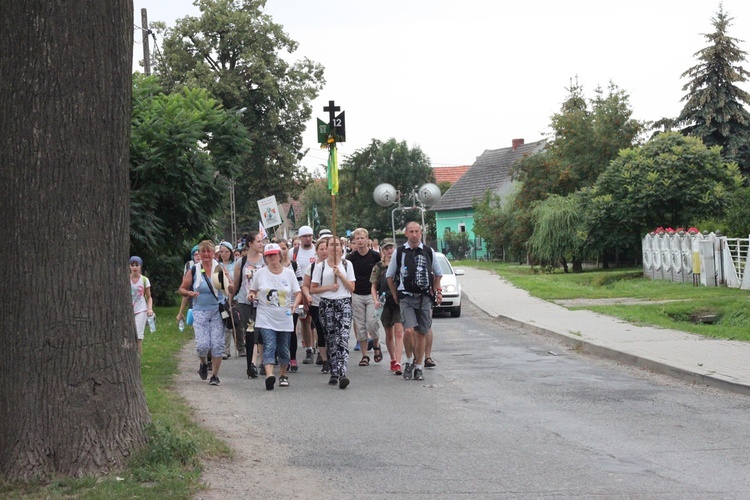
<point>378,356</point>
<point>365,361</point>
<point>429,363</point>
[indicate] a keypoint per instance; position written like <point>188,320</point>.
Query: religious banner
<point>269,212</point>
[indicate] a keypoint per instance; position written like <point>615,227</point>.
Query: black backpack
<point>416,273</point>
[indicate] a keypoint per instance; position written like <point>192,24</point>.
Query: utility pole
<point>146,52</point>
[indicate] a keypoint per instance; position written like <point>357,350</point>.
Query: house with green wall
<point>491,171</point>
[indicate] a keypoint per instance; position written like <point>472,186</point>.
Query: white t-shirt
<point>246,275</point>
<point>327,278</point>
<point>315,296</point>
<point>138,294</point>
<point>305,257</point>
<point>275,298</point>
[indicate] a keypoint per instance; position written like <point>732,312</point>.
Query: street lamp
<point>232,207</point>
<point>386,195</point>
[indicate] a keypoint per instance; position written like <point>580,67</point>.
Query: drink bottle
<point>152,323</point>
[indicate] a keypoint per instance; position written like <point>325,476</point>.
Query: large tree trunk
<point>70,389</point>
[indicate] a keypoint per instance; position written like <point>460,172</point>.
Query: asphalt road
<point>505,414</point>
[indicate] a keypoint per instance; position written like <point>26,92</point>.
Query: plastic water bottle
<point>379,310</point>
<point>152,323</point>
<point>288,312</point>
<point>181,325</point>
<point>301,311</point>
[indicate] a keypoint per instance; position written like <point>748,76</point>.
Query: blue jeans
<point>275,342</point>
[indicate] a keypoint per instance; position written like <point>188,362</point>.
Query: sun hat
<point>137,259</point>
<point>387,242</point>
<point>305,231</point>
<point>324,233</point>
<point>272,248</point>
<point>219,280</point>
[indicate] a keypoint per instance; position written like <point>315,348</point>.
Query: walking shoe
<point>343,382</point>
<point>326,367</point>
<point>292,366</point>
<point>319,359</point>
<point>393,365</point>
<point>397,369</point>
<point>261,369</point>
<point>333,380</point>
<point>225,357</point>
<point>429,363</point>
<point>408,367</point>
<point>270,380</point>
<point>214,380</point>
<point>308,358</point>
<point>252,372</point>
<point>203,371</point>
<point>418,374</point>
<point>356,346</point>
<point>283,381</point>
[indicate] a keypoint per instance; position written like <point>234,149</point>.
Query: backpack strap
<point>294,254</point>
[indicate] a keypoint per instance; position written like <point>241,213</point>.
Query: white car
<point>451,287</point>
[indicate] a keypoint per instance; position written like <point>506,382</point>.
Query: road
<point>505,414</point>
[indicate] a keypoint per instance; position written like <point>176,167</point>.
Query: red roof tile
<point>450,174</point>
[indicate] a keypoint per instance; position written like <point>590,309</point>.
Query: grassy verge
<point>729,306</point>
<point>169,466</point>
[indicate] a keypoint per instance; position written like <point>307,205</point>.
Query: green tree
<point>457,243</point>
<point>504,229</point>
<point>184,148</point>
<point>72,400</point>
<point>672,180</point>
<point>559,232</point>
<point>390,162</point>
<point>714,107</point>
<point>234,50</point>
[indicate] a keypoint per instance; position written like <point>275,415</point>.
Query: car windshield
<point>445,267</point>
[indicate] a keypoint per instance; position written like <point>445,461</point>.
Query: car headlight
<point>450,289</point>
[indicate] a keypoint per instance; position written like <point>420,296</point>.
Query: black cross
<point>331,108</point>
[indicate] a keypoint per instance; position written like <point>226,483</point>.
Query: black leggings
<point>293,340</point>
<point>315,315</point>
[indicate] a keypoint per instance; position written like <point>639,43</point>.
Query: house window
<point>462,228</point>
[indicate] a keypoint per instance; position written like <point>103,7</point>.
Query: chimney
<point>517,142</point>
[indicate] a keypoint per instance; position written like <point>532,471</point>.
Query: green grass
<point>169,466</point>
<point>731,306</point>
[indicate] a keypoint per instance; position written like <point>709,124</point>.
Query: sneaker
<point>283,381</point>
<point>319,359</point>
<point>261,369</point>
<point>418,374</point>
<point>293,367</point>
<point>334,380</point>
<point>326,367</point>
<point>308,358</point>
<point>214,380</point>
<point>356,346</point>
<point>393,365</point>
<point>343,382</point>
<point>203,371</point>
<point>397,369</point>
<point>225,357</point>
<point>252,372</point>
<point>270,380</point>
<point>408,367</point>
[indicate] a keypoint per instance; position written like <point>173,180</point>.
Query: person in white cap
<point>278,294</point>
<point>304,255</point>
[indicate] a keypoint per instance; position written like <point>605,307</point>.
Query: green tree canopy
<point>559,231</point>
<point>184,147</point>
<point>714,107</point>
<point>235,51</point>
<point>672,180</point>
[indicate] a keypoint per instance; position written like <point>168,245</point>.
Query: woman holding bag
<point>207,321</point>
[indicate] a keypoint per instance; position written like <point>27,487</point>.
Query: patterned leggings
<point>336,318</point>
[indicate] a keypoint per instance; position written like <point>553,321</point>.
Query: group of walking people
<point>260,294</point>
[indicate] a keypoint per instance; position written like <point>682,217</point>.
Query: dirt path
<point>261,466</point>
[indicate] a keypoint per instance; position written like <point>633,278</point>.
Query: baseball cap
<point>305,231</point>
<point>387,242</point>
<point>271,249</point>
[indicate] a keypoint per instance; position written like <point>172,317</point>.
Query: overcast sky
<point>457,78</point>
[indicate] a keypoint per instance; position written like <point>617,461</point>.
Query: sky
<point>458,78</point>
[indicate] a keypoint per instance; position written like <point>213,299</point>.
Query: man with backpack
<point>414,279</point>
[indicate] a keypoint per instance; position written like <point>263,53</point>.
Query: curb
<point>614,355</point>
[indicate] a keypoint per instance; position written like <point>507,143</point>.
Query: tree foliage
<point>184,148</point>
<point>234,50</point>
<point>504,228</point>
<point>714,107</point>
<point>559,232</point>
<point>672,180</point>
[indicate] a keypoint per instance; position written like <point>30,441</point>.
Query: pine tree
<point>714,109</point>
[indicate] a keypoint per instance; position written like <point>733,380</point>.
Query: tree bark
<point>72,399</point>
